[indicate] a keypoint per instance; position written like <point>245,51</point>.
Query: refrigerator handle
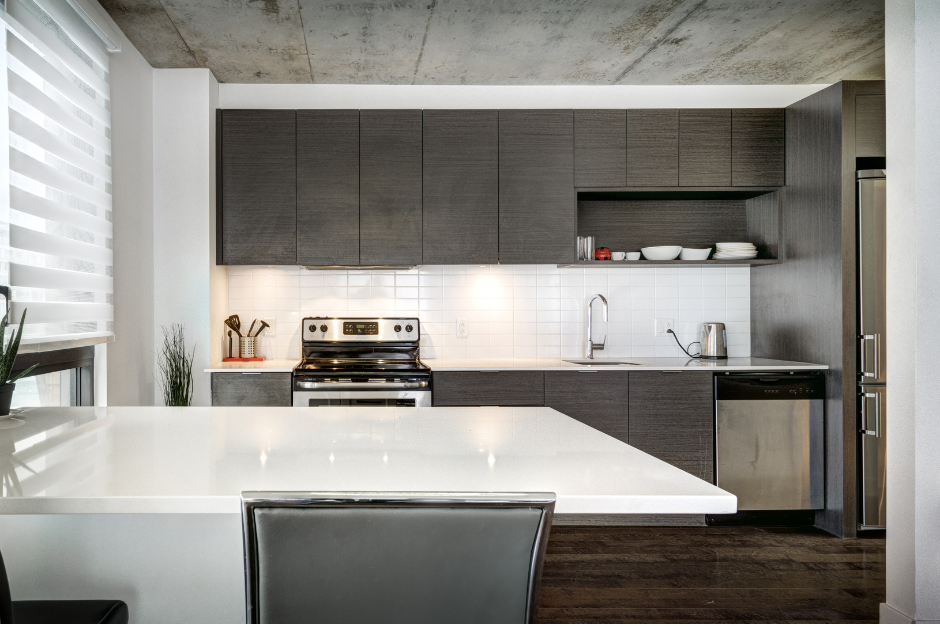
<point>864,430</point>
<point>863,347</point>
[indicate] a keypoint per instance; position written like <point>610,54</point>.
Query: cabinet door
<point>870,133</point>
<point>328,187</point>
<point>461,187</point>
<point>600,148</point>
<point>672,418</point>
<point>598,399</point>
<point>704,147</point>
<point>757,147</point>
<point>536,187</point>
<point>250,389</point>
<point>653,148</point>
<point>518,388</point>
<point>257,203</point>
<point>390,187</point>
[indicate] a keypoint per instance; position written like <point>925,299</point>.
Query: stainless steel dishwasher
<point>769,431</point>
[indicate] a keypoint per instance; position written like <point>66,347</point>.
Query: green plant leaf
<point>24,372</point>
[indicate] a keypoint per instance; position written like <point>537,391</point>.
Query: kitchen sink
<point>602,363</point>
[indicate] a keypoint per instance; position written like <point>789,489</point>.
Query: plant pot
<point>6,397</point>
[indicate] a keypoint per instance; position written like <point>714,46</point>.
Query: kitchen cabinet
<point>705,147</point>
<point>461,187</point>
<point>600,148</point>
<point>536,186</point>
<point>653,148</point>
<point>251,389</point>
<point>328,187</point>
<point>596,398</point>
<point>488,388</point>
<point>870,133</point>
<point>757,147</point>
<point>672,418</point>
<point>257,199</point>
<point>390,187</point>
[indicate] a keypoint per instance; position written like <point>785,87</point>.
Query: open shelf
<point>674,262</point>
<point>671,193</point>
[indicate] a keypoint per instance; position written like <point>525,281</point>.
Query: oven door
<point>391,397</point>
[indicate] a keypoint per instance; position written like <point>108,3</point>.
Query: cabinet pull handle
<point>587,371</point>
<point>251,373</point>
<point>671,371</point>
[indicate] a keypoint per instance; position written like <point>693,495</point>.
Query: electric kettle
<point>714,341</point>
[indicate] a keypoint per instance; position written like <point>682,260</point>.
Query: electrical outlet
<point>462,328</point>
<point>663,326</point>
<point>269,330</point>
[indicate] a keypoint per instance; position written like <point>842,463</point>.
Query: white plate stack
<point>731,251</point>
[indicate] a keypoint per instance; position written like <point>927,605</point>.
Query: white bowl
<point>661,253</point>
<point>694,254</point>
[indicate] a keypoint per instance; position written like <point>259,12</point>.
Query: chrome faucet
<point>591,346</point>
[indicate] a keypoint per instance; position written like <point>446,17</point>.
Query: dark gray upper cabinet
<point>328,187</point>
<point>705,147</point>
<point>653,148</point>
<point>598,399</point>
<point>600,148</point>
<point>257,199</point>
<point>757,147</point>
<point>461,187</point>
<point>870,133</point>
<point>536,186</point>
<point>390,187</point>
<point>672,418</point>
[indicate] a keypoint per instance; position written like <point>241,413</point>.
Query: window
<point>55,225</point>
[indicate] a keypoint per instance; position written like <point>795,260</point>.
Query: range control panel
<point>338,329</point>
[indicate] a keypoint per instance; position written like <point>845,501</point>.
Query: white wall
<point>233,96</point>
<point>184,103</point>
<point>130,366</point>
<point>520,311</point>
<point>912,58</point>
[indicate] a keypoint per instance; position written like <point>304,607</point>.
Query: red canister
<point>602,254</point>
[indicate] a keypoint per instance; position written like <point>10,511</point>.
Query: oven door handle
<point>348,384</point>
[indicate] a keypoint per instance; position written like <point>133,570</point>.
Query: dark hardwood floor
<point>710,574</point>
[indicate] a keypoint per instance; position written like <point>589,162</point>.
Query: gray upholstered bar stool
<point>394,557</point>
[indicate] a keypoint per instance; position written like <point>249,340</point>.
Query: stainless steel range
<point>361,361</point>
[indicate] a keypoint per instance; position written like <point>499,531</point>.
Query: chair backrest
<point>394,557</point>
<point>6,602</point>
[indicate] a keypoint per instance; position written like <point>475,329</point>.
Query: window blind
<point>55,229</point>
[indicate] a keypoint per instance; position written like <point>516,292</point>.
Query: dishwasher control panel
<point>770,387</point>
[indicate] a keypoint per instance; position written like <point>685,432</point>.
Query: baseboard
<point>571,519</point>
<point>887,614</point>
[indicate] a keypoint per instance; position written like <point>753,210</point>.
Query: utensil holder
<point>246,347</point>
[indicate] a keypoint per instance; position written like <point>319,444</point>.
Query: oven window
<point>361,402</point>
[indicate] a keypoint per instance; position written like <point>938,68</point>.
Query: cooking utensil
<point>252,327</point>
<point>229,344</point>
<point>234,323</point>
<point>261,328</point>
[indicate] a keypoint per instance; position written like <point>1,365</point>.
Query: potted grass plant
<point>176,368</point>
<point>7,359</point>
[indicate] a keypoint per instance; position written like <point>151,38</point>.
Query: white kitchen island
<point>142,504</point>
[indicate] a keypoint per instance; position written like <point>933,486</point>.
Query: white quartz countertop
<point>743,364</point>
<point>199,459</point>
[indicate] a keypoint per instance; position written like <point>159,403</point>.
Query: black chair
<point>387,557</point>
<point>57,611</point>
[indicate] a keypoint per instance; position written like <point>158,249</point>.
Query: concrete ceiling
<point>511,42</point>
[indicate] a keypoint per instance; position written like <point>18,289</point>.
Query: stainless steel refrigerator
<point>872,374</point>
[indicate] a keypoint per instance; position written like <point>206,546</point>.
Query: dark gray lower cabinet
<point>598,399</point>
<point>249,389</point>
<point>516,388</point>
<point>671,418</point>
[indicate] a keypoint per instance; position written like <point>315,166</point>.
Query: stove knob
<point>313,328</point>
<point>322,328</point>
<point>397,328</point>
<point>409,328</point>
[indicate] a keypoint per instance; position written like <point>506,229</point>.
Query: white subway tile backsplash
<point>518,311</point>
